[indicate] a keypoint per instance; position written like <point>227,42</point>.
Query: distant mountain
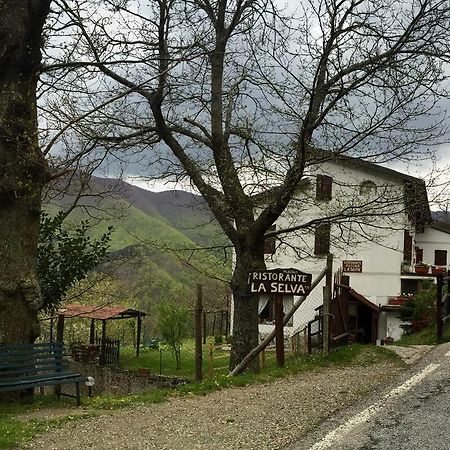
<point>155,234</point>
<point>185,211</point>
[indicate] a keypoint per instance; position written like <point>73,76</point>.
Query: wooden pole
<point>214,325</point>
<point>221,323</point>
<point>279,334</point>
<point>92,332</point>
<point>52,323</point>
<point>439,321</point>
<point>60,329</point>
<point>262,359</point>
<point>59,338</point>
<point>204,327</point>
<point>226,324</point>
<point>211,359</point>
<point>139,331</point>
<point>103,351</point>
<point>198,334</point>
<point>327,292</point>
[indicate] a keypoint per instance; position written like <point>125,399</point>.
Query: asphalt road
<point>411,413</point>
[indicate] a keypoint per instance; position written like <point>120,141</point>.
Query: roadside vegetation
<point>426,336</point>
<point>420,317</point>
<point>18,424</point>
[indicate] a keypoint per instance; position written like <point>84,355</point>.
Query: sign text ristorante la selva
<point>279,281</point>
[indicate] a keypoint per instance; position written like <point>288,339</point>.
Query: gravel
<point>266,416</point>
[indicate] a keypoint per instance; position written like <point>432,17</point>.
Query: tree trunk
<point>246,336</point>
<point>22,168</point>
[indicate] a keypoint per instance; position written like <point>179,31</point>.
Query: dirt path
<point>254,417</point>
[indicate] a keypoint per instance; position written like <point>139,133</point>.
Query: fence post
<point>327,289</point>
<point>211,360</point>
<point>439,318</point>
<point>198,334</point>
<point>309,339</point>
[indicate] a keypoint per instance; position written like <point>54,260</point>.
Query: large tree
<point>241,92</point>
<point>23,169</point>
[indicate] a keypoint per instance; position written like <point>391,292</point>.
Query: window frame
<point>324,188</point>
<point>322,238</point>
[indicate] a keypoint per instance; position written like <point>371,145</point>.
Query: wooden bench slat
<point>24,366</point>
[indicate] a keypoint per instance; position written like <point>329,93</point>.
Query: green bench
<point>26,366</point>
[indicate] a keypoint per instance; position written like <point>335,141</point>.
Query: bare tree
<point>240,92</point>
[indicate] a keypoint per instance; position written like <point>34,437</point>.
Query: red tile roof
<point>98,312</point>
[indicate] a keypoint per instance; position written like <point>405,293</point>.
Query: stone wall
<point>116,381</point>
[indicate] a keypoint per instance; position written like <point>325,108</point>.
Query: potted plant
<point>437,270</point>
<point>406,266</point>
<point>421,268</point>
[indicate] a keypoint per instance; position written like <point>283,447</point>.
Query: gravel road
<point>266,416</point>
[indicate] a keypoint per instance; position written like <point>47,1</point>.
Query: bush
<point>421,311</point>
<point>174,325</point>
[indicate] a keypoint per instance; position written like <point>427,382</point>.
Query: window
<point>269,243</point>
<point>324,185</point>
<point>419,255</point>
<point>440,257</point>
<point>407,246</point>
<point>367,187</point>
<point>322,239</point>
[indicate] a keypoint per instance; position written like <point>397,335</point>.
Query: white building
<point>377,224</point>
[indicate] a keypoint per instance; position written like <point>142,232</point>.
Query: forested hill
<point>187,212</point>
<point>156,233</point>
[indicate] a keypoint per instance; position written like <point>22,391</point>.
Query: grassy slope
<point>162,265</point>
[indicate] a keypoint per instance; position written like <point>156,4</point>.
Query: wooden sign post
<point>279,333</point>
<point>279,282</point>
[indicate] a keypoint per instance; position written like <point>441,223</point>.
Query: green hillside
<point>150,257</point>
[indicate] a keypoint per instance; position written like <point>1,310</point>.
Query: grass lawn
<point>13,432</point>
<point>163,362</point>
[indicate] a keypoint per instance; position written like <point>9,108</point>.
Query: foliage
<point>174,325</point>
<point>426,336</point>
<point>65,257</point>
<point>422,306</point>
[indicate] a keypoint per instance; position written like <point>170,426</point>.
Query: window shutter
<point>270,243</point>
<point>440,257</point>
<point>419,254</point>
<point>407,246</point>
<point>322,239</point>
<point>324,185</point>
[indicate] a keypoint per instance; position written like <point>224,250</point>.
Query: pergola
<point>99,312</point>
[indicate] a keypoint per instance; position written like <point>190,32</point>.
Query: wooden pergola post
<point>103,351</point>
<point>92,333</point>
<point>60,328</point>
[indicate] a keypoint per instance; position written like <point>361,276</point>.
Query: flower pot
<point>422,270</point>
<point>437,270</point>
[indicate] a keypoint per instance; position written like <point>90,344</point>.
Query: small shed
<point>354,317</point>
<point>102,313</point>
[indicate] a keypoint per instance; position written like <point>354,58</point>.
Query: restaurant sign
<point>352,266</point>
<point>279,281</point>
